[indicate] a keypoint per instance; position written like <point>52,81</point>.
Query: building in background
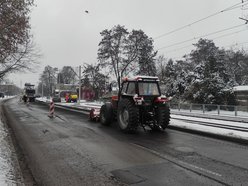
<point>241,93</point>
<point>10,89</point>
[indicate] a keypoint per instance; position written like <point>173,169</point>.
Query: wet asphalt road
<point>70,150</point>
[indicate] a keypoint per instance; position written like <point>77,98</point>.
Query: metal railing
<point>229,110</point>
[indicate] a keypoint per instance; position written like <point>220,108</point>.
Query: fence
<point>230,110</point>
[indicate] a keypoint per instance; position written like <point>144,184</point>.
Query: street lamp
<point>79,89</point>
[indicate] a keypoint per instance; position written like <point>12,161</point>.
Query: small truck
<point>28,93</point>
<point>71,97</point>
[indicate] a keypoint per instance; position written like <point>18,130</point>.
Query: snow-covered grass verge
<point>209,129</point>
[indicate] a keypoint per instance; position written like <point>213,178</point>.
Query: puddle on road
<point>10,173</point>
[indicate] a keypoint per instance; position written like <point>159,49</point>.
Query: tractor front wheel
<point>106,114</point>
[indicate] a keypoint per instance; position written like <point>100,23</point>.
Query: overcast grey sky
<point>67,35</point>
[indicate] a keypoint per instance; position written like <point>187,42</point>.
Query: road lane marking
<point>200,168</point>
<point>178,162</point>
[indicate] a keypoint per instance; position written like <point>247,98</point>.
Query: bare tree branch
<point>17,52</point>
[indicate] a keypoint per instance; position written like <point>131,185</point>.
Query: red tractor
<point>139,103</point>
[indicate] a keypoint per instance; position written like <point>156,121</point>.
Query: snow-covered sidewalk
<point>176,121</point>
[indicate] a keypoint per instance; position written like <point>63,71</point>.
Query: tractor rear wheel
<point>163,116</point>
<point>127,115</point>
<point>106,114</point>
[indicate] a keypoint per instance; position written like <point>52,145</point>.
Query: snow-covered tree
<point>206,75</point>
<point>125,53</point>
<point>67,75</point>
<point>236,64</point>
<point>209,74</point>
<point>93,76</point>
<point>47,80</point>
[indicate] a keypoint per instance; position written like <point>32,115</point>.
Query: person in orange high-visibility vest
<point>67,97</point>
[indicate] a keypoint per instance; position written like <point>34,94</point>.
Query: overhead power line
<point>230,34</point>
<point>198,37</point>
<point>238,5</point>
<point>236,44</point>
<point>225,35</point>
<point>246,20</point>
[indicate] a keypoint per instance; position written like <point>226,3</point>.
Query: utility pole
<point>42,93</point>
<point>79,89</point>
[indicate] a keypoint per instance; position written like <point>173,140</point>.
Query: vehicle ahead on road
<point>1,95</point>
<point>139,102</point>
<point>29,93</point>
<point>56,98</point>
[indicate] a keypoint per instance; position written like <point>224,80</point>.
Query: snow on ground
<point>9,166</point>
<point>229,123</point>
<point>241,88</point>
<point>209,129</point>
<point>215,112</point>
<point>6,97</point>
<point>44,99</point>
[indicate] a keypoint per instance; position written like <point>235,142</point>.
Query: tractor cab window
<point>131,88</point>
<point>148,89</point>
<point>124,88</point>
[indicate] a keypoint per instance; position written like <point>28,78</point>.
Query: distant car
<point>1,95</point>
<point>56,99</point>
